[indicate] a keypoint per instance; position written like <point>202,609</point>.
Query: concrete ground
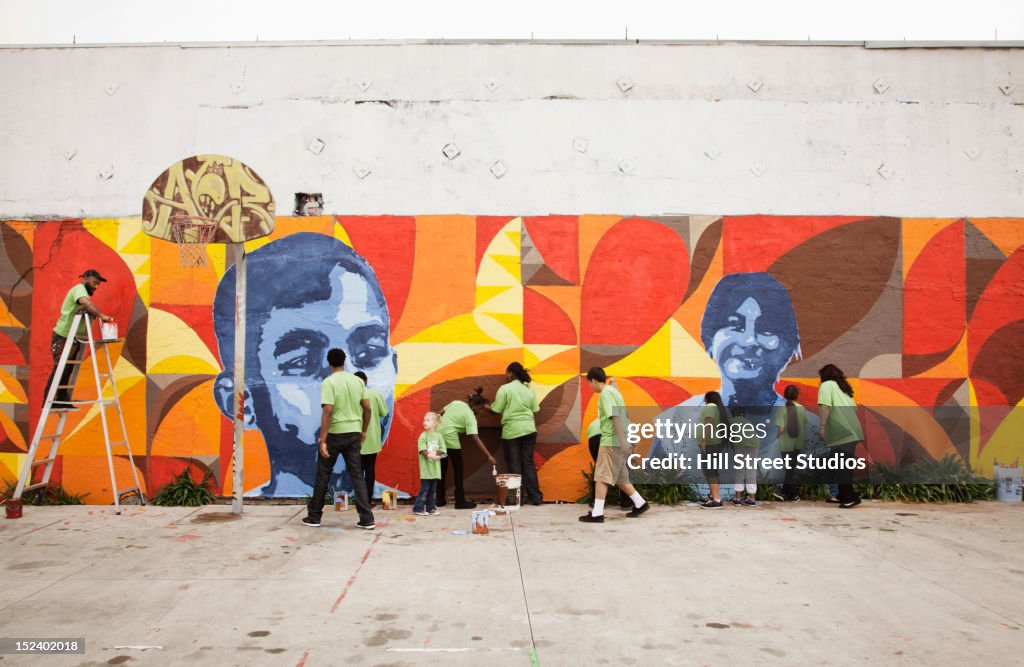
<point>799,583</point>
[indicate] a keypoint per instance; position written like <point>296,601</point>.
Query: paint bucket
<point>1008,483</point>
<point>481,522</point>
<point>510,482</point>
<point>340,501</point>
<point>13,508</point>
<point>389,499</point>
<point>108,330</point>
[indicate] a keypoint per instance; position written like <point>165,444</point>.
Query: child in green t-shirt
<point>746,444</point>
<point>432,450</point>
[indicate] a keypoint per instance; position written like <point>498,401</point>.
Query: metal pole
<point>237,252</point>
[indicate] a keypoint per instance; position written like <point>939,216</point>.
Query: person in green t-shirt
<point>373,442</point>
<point>516,403</point>
<point>431,449</point>
<point>612,468</point>
<point>840,428</point>
<point>459,418</point>
<point>791,421</point>
<point>77,299</point>
<point>344,421</point>
<point>713,417</point>
<point>745,443</point>
<point>594,444</point>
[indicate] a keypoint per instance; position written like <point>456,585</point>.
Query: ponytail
<point>520,373</point>
<point>714,398</point>
<point>476,399</point>
<point>792,427</point>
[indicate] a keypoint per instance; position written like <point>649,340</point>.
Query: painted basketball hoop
<point>192,233</point>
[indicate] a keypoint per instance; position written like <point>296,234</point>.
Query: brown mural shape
<point>831,296</point>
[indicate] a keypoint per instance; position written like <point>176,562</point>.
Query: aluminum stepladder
<point>104,403</point>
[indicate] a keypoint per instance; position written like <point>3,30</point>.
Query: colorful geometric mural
<point>922,315</point>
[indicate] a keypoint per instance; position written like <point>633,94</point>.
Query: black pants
<point>844,476</point>
<point>347,445</point>
<point>519,457</point>
<point>57,343</point>
<point>459,471</point>
<point>788,487</point>
<point>369,463</point>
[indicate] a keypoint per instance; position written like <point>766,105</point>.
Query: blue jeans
<point>427,494</point>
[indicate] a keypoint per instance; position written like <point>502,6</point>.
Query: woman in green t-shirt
<point>840,428</point>
<point>517,403</point>
<point>712,415</point>
<point>459,418</point>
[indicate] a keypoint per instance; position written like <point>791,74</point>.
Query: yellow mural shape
<point>499,310</point>
<point>168,338</point>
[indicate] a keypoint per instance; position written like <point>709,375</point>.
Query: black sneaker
<point>370,525</point>
<point>312,523</point>
<point>711,504</point>
<point>590,518</point>
<point>749,502</point>
<point>849,505</point>
<point>637,511</point>
<point>736,501</point>
<point>465,505</point>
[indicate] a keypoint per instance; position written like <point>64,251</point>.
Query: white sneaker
<point>433,512</point>
<point>421,513</point>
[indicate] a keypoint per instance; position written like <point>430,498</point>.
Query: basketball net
<point>191,233</point>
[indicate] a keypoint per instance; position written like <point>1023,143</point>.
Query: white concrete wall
<point>815,133</point>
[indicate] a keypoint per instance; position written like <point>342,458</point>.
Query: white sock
<point>637,499</point>
<point>598,508</point>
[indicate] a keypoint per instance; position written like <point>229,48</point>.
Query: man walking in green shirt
<point>77,299</point>
<point>343,426</point>
<point>611,468</point>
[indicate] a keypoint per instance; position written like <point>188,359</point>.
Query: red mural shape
<point>397,464</point>
<point>934,300</point>
<point>556,238</point>
<point>66,249</point>
<point>390,254</point>
<point>544,322</point>
<point>751,243</point>
<point>635,279</point>
<point>1000,306</point>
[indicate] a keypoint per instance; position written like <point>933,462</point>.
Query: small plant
<point>183,491</point>
<point>51,495</point>
<point>947,480</point>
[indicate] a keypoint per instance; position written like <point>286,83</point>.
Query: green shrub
<point>947,480</point>
<point>51,495</point>
<point>182,491</point>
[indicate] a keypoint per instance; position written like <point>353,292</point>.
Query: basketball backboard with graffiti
<point>215,188</point>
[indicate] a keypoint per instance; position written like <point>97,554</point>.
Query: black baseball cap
<point>93,273</point>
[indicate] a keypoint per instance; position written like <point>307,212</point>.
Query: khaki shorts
<point>611,466</point>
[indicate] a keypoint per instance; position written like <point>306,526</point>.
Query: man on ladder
<point>76,299</point>
<point>66,346</point>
